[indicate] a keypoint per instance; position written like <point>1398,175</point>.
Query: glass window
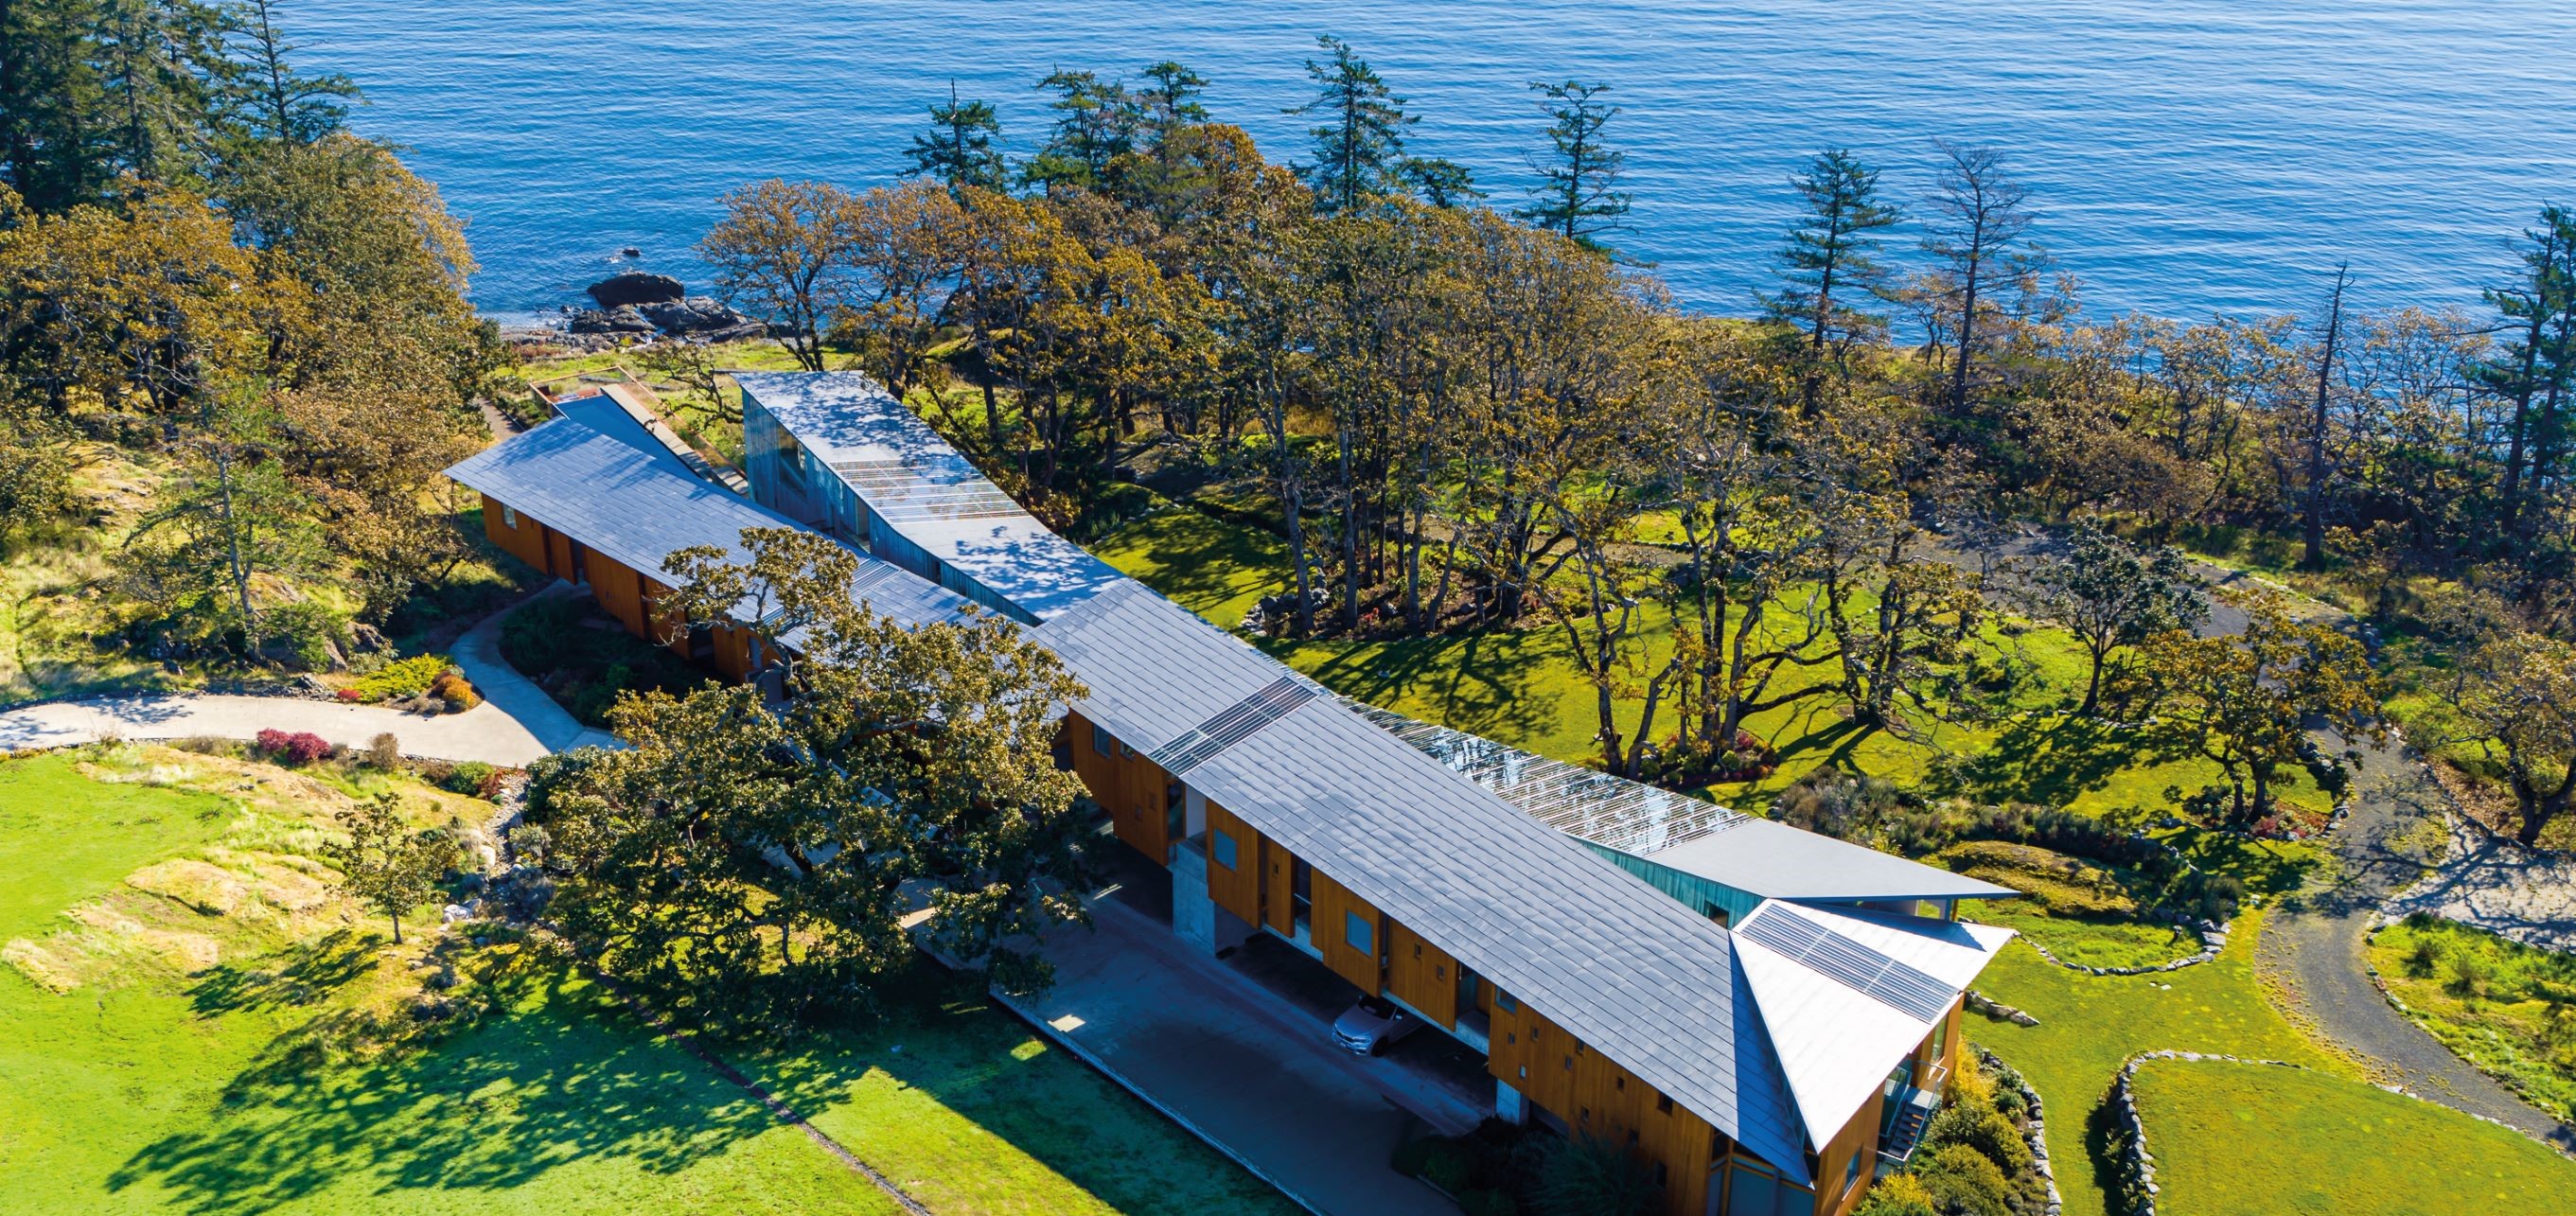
<point>1851,1174</point>
<point>1221,847</point>
<point>509,516</point>
<point>1102,740</point>
<point>1359,933</point>
<point>1503,1001</point>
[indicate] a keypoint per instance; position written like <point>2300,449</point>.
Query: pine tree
<point>264,97</point>
<point>1441,183</point>
<point>1170,104</point>
<point>1359,140</point>
<point>1577,194</point>
<point>958,149</point>
<point>1832,254</point>
<point>2530,370</point>
<point>1985,214</point>
<point>1096,122</point>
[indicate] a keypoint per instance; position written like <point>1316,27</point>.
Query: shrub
<point>302,747</point>
<point>1983,1128</point>
<point>400,678</point>
<point>1438,1160</point>
<point>1836,803</point>
<point>1591,1176</point>
<point>1897,1195</point>
<point>1487,1201</point>
<point>2471,972</point>
<point>384,753</point>
<point>451,690</point>
<point>1963,1180</point>
<point>469,777</point>
<point>307,632</point>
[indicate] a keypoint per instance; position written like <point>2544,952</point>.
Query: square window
<point>1359,934</point>
<point>1221,848</point>
<point>1663,1104</point>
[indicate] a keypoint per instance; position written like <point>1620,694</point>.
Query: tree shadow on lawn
<point>559,1076</point>
<point>1201,562</point>
<point>306,973</point>
<point>2053,760</point>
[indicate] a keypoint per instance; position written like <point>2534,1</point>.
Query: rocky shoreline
<point>639,306</point>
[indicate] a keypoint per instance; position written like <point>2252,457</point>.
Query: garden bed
<point>585,659</point>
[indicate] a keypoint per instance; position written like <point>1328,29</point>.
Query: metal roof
<point>1678,831</point>
<point>927,491</point>
<point>1772,859</point>
<point>1608,958</point>
<point>1843,997</point>
<point>638,507</point>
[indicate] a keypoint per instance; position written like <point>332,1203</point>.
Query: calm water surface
<point>2189,157</point>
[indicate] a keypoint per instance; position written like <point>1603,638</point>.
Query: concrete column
<point>1193,913</point>
<point>1507,1104</point>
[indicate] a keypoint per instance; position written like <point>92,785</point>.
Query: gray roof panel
<point>1772,859</point>
<point>927,491</point>
<point>637,508</point>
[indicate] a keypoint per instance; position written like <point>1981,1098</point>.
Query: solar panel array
<point>1615,812</point>
<point>1849,963</point>
<point>898,490</point>
<point>1234,724</point>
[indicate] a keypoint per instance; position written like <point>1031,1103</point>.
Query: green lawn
<point>2083,941</point>
<point>1523,688</point>
<point>2249,1140</point>
<point>65,838</point>
<point>191,1060</point>
<point>2506,1007</point>
<point>2089,1025</point>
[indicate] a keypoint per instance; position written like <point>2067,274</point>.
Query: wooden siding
<point>664,625</point>
<point>620,591</point>
<point>525,540</point>
<point>1857,1140</point>
<point>1597,1097</point>
<point>1421,974</point>
<point>1131,788</point>
<point>1278,888</point>
<point>1357,962</point>
<point>1237,890</point>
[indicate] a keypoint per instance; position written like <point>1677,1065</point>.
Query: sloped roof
<point>1613,961</point>
<point>926,490</point>
<point>1770,858</point>
<point>637,507</point>
<point>1836,1024</point>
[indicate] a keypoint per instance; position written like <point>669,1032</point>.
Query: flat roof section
<point>1772,859</point>
<point>927,491</point>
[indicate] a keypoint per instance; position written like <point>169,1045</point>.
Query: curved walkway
<point>516,723</point>
<point>2318,941</point>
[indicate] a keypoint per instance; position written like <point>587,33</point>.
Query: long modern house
<point>1764,1016</point>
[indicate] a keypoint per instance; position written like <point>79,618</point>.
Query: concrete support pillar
<point>1193,913</point>
<point>1508,1105</point>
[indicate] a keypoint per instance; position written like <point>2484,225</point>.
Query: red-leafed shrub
<point>302,747</point>
<point>350,695</point>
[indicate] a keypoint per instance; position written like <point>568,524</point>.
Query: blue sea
<point>2187,157</point>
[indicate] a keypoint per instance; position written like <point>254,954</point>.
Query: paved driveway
<point>1214,1052</point>
<point>516,723</point>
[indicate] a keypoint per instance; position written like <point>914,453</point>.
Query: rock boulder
<point>635,287</point>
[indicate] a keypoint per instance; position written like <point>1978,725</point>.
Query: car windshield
<point>1376,1007</point>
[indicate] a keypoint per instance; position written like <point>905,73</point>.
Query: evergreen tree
<point>160,67</point>
<point>1577,194</point>
<point>2535,360</point>
<point>265,98</point>
<point>1359,135</point>
<point>1170,104</point>
<point>958,149</point>
<point>49,99</point>
<point>1832,255</point>
<point>1096,122</point>
<point>1984,214</point>
<point>1441,183</point>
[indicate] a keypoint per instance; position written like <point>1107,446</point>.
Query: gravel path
<point>2501,887</point>
<point>2317,942</point>
<point>516,723</point>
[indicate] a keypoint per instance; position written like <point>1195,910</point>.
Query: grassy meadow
<point>2248,1140</point>
<point>192,1020</point>
<point>2506,1007</point>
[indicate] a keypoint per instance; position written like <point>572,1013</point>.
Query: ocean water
<point>2187,157</point>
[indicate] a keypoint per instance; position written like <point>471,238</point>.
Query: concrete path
<point>516,723</point>
<point>1205,1047</point>
<point>2317,941</point>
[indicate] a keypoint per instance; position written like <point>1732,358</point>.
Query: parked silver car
<point>1372,1026</point>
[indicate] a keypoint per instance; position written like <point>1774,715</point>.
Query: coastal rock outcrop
<point>623,319</point>
<point>635,287</point>
<point>700,317</point>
